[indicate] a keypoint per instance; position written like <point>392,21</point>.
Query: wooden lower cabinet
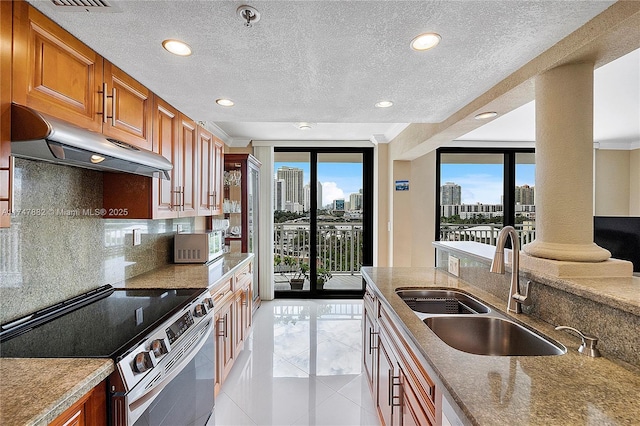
<point>90,410</point>
<point>233,318</point>
<point>402,390</point>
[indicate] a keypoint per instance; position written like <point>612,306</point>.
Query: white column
<point>265,221</point>
<point>564,166</point>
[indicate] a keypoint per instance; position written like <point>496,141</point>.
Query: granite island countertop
<point>34,391</point>
<point>569,389</point>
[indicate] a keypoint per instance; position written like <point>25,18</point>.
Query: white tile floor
<point>302,365</point>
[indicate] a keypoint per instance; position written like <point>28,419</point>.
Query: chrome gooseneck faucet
<point>497,266</point>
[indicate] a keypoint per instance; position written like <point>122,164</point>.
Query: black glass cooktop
<point>104,328</point>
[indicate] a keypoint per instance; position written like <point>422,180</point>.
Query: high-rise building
<point>320,206</point>
<point>278,195</point>
<point>355,201</point>
<point>450,194</point>
<point>525,195</point>
<point>307,198</point>
<point>338,205</point>
<point>293,184</point>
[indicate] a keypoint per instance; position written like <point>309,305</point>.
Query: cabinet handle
<point>371,334</point>
<point>176,193</point>
<point>104,114</point>
<point>113,106</point>
<point>395,381</point>
<point>221,331</point>
<point>225,327</point>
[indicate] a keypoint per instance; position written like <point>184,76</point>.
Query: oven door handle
<point>137,404</point>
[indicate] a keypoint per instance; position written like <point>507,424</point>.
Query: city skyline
<point>339,180</point>
<point>482,183</point>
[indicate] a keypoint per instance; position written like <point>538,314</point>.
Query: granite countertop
<point>34,391</point>
<point>569,389</point>
<point>187,275</point>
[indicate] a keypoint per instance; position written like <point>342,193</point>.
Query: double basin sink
<point>467,324</point>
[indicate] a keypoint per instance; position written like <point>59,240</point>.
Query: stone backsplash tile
<point>58,245</point>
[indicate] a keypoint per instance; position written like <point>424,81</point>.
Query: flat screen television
<point>620,235</point>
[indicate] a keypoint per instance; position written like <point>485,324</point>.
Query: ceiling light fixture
<point>95,159</point>
<point>384,104</point>
<point>225,102</point>
<point>486,115</point>
<point>425,41</point>
<point>177,47</point>
<point>304,125</point>
<point>249,15</point>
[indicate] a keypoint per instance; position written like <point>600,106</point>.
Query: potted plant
<point>301,274</point>
<point>322,276</point>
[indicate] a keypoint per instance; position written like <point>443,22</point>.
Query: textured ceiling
<point>324,61</point>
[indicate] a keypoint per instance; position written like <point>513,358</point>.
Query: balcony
<point>485,234</point>
<point>339,252</point>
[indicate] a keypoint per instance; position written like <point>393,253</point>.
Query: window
<point>483,190</point>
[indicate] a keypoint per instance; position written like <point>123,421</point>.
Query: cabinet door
<point>218,176</point>
<point>91,409</point>
<point>5,113</point>
<point>129,110</point>
<point>413,413</point>
<point>370,341</point>
<point>225,341</point>
<point>388,384</point>
<point>206,172</point>
<point>188,166</point>
<point>53,72</point>
<point>166,142</point>
<point>238,322</point>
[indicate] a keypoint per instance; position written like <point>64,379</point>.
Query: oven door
<point>182,397</point>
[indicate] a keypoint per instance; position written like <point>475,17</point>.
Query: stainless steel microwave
<point>198,247</point>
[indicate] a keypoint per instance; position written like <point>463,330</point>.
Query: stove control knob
<point>200,310</point>
<point>159,348</point>
<point>209,302</point>
<point>142,362</point>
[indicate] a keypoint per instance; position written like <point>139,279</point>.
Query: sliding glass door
<point>322,221</point>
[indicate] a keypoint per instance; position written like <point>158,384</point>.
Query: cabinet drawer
<point>221,291</point>
<point>244,276</point>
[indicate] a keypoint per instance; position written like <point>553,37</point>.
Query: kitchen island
<point>569,389</point>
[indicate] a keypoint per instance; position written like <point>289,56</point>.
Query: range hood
<point>38,136</point>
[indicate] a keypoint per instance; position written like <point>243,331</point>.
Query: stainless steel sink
<point>437,301</point>
<point>487,335</point>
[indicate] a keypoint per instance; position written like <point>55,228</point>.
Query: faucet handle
<point>589,342</point>
<point>523,299</point>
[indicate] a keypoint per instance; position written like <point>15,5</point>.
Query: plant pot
<point>320,284</point>
<point>296,283</point>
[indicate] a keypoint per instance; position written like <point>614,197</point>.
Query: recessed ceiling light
<point>384,104</point>
<point>177,47</point>
<point>225,102</point>
<point>304,125</point>
<point>485,115</point>
<point>425,41</point>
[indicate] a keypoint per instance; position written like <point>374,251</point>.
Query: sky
<point>339,180</point>
<point>482,183</point>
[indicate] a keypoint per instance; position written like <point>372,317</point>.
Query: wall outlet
<point>137,237</point>
<point>454,266</point>
<point>178,228</point>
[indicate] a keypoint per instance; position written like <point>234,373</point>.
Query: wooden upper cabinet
<point>53,72</point>
<point>166,142</point>
<point>5,113</point>
<point>210,161</point>
<point>187,165</point>
<point>57,74</point>
<point>129,108</point>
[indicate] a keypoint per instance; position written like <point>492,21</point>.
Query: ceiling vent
<point>84,6</point>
